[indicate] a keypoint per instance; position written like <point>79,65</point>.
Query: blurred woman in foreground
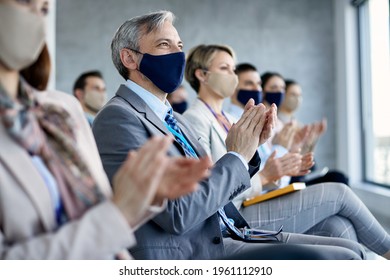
<point>55,199</point>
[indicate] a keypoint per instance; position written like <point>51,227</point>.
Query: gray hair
<point>130,32</point>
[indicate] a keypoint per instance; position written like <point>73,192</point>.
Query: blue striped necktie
<point>176,131</point>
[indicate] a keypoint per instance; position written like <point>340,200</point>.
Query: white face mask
<point>22,37</point>
<point>94,100</point>
<point>223,84</point>
<point>292,102</point>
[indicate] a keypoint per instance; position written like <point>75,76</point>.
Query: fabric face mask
<point>22,37</point>
<point>180,107</point>
<point>243,96</point>
<point>223,84</point>
<point>165,71</point>
<point>292,102</point>
<point>274,97</point>
<point>94,100</point>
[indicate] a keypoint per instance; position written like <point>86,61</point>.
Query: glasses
<point>261,235</point>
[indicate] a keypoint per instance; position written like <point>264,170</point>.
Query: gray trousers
<point>329,209</point>
<point>307,247</point>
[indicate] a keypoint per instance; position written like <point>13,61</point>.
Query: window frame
<point>365,86</point>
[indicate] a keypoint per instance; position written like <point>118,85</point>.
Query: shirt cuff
<point>152,211</point>
<point>241,158</point>
<point>158,208</point>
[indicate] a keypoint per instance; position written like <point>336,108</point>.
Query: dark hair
<point>37,74</point>
<point>244,67</point>
<point>268,75</point>
<point>289,82</point>
<point>81,80</point>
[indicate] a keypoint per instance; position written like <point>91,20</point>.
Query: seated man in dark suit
<point>147,52</point>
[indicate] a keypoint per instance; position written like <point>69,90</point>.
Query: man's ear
<point>200,75</point>
<point>79,93</point>
<point>129,59</point>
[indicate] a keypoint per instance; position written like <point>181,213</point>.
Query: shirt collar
<point>158,107</point>
<point>90,118</point>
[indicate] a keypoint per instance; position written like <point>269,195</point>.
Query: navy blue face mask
<point>274,97</point>
<point>243,96</point>
<point>165,71</point>
<point>180,107</point>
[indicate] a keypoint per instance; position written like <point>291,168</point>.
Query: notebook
<point>274,193</point>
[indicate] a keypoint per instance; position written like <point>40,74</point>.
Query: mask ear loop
<point>138,52</point>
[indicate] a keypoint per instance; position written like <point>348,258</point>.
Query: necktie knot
<point>171,121</point>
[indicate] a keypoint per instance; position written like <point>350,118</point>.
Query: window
<point>374,35</point>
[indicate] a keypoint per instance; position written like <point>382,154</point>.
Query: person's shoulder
<point>116,106</point>
<point>65,100</point>
<point>116,113</point>
<point>56,95</point>
<point>197,111</point>
<point>122,100</point>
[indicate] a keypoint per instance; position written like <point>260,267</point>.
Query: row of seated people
<point>142,185</point>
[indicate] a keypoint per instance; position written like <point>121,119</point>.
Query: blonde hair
<point>200,57</point>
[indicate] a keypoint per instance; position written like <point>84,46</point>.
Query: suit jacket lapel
<point>219,130</point>
<point>190,136</point>
<point>144,110</point>
<point>20,165</point>
<point>215,124</point>
<point>141,107</point>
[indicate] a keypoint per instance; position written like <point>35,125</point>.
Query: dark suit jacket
<point>189,227</point>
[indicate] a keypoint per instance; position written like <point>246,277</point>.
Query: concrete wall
<point>293,37</point>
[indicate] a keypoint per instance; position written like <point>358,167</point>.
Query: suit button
<point>217,240</point>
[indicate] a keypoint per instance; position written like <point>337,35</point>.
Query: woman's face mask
<point>292,102</point>
<point>22,36</point>
<point>222,84</point>
<point>293,98</point>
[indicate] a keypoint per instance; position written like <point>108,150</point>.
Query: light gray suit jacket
<point>189,227</point>
<point>212,137</point>
<point>27,218</point>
